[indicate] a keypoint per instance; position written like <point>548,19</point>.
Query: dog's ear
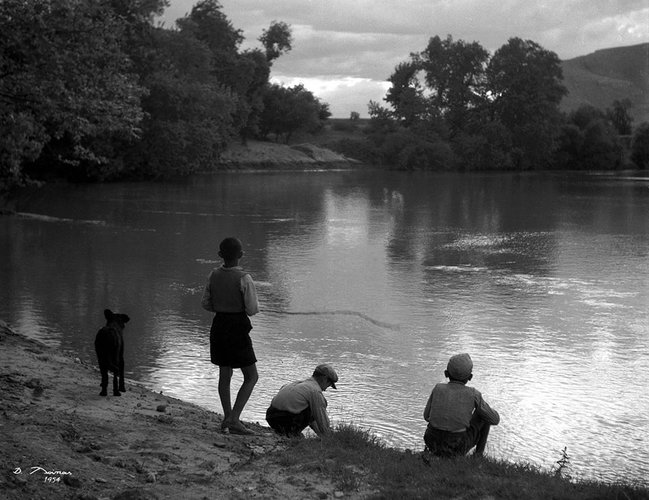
<point>108,314</point>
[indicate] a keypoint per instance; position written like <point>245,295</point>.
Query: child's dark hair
<point>230,248</point>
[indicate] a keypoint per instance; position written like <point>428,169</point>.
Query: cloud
<point>342,94</point>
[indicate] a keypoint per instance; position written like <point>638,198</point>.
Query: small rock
<point>100,480</point>
<point>150,477</point>
<point>165,419</point>
<point>161,408</point>
<point>33,383</point>
<point>72,481</point>
<point>338,494</point>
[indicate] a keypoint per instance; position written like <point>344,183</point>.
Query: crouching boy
<point>301,404</point>
<point>458,418</point>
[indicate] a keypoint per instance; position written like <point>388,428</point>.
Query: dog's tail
<point>107,348</point>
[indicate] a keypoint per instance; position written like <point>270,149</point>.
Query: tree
<point>454,75</point>
<point>524,84</point>
<point>189,114</point>
<point>588,141</point>
<point>620,117</point>
<point>244,73</point>
<point>65,84</point>
<point>209,25</point>
<point>640,146</point>
<point>406,94</point>
<point>277,40</point>
<point>289,109</point>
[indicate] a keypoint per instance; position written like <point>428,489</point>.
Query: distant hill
<point>607,75</point>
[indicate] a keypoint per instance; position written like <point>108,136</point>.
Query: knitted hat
<point>460,366</point>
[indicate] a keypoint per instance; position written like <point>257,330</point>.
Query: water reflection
<point>543,278</point>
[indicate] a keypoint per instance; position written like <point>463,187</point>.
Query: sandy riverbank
<point>61,440</point>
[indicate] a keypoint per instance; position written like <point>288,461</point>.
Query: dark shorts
<point>447,444</point>
<point>453,444</point>
<point>287,423</point>
<point>230,343</point>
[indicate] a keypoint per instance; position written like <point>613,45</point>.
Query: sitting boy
<point>458,418</point>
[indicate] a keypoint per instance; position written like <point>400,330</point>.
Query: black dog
<point>109,346</point>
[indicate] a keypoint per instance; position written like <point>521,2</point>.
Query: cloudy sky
<point>344,50</point>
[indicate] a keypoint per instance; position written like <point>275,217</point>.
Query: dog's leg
<point>115,385</point>
<point>104,381</point>
<point>122,387</point>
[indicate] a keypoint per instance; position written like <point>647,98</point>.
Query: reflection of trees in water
<point>475,220</point>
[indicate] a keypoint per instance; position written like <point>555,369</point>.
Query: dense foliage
<point>92,89</point>
<point>455,106</point>
<point>289,109</point>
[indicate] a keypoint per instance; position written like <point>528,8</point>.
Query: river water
<point>542,278</point>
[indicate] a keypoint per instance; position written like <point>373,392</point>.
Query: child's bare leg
<point>225,377</point>
<point>250,378</point>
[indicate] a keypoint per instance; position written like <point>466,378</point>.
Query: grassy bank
<point>355,460</point>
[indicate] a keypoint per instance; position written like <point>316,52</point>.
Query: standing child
<point>230,294</point>
<point>458,418</point>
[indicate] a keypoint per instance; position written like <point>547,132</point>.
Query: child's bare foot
<point>239,428</point>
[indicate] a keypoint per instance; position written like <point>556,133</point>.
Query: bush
<point>170,148</point>
<point>358,149</point>
<point>588,141</point>
<point>344,126</point>
<point>406,151</point>
<point>488,148</point>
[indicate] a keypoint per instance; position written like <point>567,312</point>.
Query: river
<point>542,278</point>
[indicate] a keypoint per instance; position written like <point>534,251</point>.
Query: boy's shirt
<point>297,396</point>
<point>451,405</point>
<point>230,290</point>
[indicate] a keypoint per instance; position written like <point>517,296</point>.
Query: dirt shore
<point>61,440</point>
<point>259,154</point>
